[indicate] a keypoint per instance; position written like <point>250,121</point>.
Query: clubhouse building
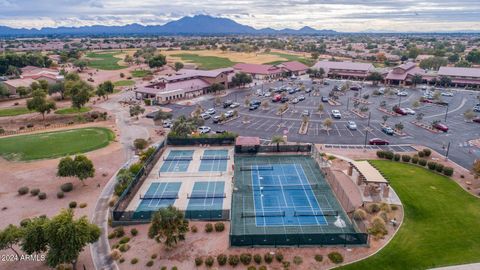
<point>265,72</point>
<point>345,70</point>
<point>461,77</point>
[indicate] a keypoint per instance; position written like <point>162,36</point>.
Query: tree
<point>161,115</point>
<point>128,59</point>
<point>10,237</point>
<point>183,127</point>
<point>453,58</point>
<point>473,56</point>
<point>140,143</point>
<point>223,48</point>
<point>416,104</point>
<point>416,79</point>
<point>178,66</point>
<point>385,118</point>
<point>241,79</point>
<point>315,55</point>
<point>327,123</point>
<point>4,91</point>
<point>215,87</point>
<point>463,63</point>
<point>433,63</point>
<point>278,140</point>
<point>80,64</point>
<point>63,238</point>
<point>476,168</point>
<point>375,77</point>
<point>39,103</point>
<point>399,126</point>
<point>469,115</point>
<point>79,91</point>
<point>108,87</point>
<point>168,225</point>
<point>135,110</point>
<point>23,91</point>
<point>320,108</point>
<point>58,87</point>
<point>445,81</point>
<point>265,104</point>
<point>157,61</point>
<point>80,167</point>
<point>100,91</point>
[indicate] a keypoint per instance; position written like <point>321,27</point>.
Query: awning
<point>369,173</point>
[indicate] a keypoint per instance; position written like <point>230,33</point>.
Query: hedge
<point>422,162</point>
<point>448,171</point>
<point>380,154</point>
<point>439,167</point>
<point>415,159</point>
<point>431,165</point>
<point>396,157</point>
<point>335,257</point>
<point>427,152</point>
<point>406,158</point>
<point>389,155</point>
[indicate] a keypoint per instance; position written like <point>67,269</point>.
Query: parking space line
<point>339,134</point>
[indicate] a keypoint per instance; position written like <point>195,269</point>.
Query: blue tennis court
<point>177,161</point>
<point>214,161</point>
<point>159,195</point>
<point>207,195</point>
<point>283,196</point>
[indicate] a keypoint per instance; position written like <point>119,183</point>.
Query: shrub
<point>431,165</point>
<point>359,214</point>
<point>29,125</point>
<point>174,268</point>
<point>262,267</point>
<point>112,235</point>
<point>406,158</point>
<point>122,260</point>
<point>222,259</point>
<point>318,258</point>
<point>286,265</point>
<point>209,261</point>
<point>251,267</point>
<point>233,260</point>
<point>439,167</point>
<point>246,258</point>
<point>153,257</point>
<point>124,240</point>
<point>198,261</point>
<point>383,215</point>
<point>422,162</point>
<point>448,171</point>
<point>427,152</point>
<point>268,258</point>
<point>421,154</point>
<point>34,192</point>
<point>415,159</point>
<point>208,227</point>
<point>115,254</point>
<point>388,155</point>
<point>257,258</point>
<point>297,260</point>
<point>23,190</point>
<point>377,227</point>
<point>134,232</point>
<point>380,153</point>
<point>396,157</point>
<point>149,264</point>
<point>124,247</point>
<point>67,187</point>
<point>60,194</point>
<point>42,195</point>
<point>335,257</point>
<point>134,261</point>
<point>72,204</point>
<point>194,229</point>
<point>163,268</point>
<point>82,205</point>
<point>119,231</point>
<point>279,256</point>
<point>24,222</point>
<point>373,208</point>
<point>219,227</point>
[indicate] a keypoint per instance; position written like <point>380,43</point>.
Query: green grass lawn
<point>140,73</point>
<point>104,60</point>
<point>54,144</point>
<point>290,57</point>
<point>14,111</point>
<point>123,83</point>
<point>441,225</point>
<point>72,110</point>
<point>206,62</point>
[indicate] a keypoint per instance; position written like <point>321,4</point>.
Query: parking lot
<point>265,121</point>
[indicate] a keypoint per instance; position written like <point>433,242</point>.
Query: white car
<point>447,94</point>
<point>409,111</point>
<point>381,90</point>
<point>204,129</point>
<point>402,93</point>
<point>476,108</point>
<point>267,94</point>
<point>167,124</point>
<point>351,125</point>
<point>228,114</point>
<point>211,111</point>
<point>336,114</point>
<point>424,87</point>
<point>205,116</point>
<point>234,105</point>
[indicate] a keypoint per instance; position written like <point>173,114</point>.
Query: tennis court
<point>159,195</point>
<point>283,196</point>
<point>177,161</point>
<point>214,161</point>
<point>208,195</point>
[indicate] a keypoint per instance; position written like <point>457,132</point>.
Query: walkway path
<point>473,266</point>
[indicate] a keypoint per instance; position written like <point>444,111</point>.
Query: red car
<point>441,127</point>
<point>424,100</point>
<point>399,110</point>
<point>277,98</point>
<point>378,141</point>
<point>476,120</point>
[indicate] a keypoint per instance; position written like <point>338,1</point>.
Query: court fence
<point>141,217</point>
<point>227,139</point>
<point>289,148</point>
<point>299,239</point>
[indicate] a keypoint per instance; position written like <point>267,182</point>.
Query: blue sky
<point>341,15</point>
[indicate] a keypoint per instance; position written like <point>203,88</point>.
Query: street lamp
<point>446,113</point>
<point>448,150</point>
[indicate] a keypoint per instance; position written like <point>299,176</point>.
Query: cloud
<point>342,15</point>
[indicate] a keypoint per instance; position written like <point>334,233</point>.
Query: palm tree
<point>416,79</point>
<point>278,140</point>
<point>265,104</point>
<point>246,102</point>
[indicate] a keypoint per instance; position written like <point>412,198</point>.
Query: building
<point>13,85</point>
<point>259,72</point>
<point>345,70</point>
<point>461,76</point>
<point>185,84</point>
<point>37,73</point>
<point>293,68</point>
<point>403,74</point>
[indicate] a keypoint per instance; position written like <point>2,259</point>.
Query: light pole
<point>399,100</point>
<point>365,142</point>
<point>446,113</point>
<point>448,150</point>
<point>369,115</point>
<point>348,101</point>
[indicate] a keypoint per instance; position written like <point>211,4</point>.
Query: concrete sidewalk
<point>473,266</point>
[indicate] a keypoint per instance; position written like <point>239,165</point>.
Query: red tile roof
<point>293,66</point>
<point>459,72</point>
<point>257,69</point>
<point>242,140</point>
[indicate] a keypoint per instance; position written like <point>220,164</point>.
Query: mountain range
<point>196,25</point>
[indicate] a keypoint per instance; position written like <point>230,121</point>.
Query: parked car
<point>277,98</point>
<point>228,114</point>
<point>476,108</point>
<point>301,98</point>
<point>205,116</point>
<point>441,127</point>
<point>227,104</point>
<point>324,99</point>
<point>426,100</point>
<point>284,99</point>
<point>216,119</point>
<point>308,90</point>
<point>402,93</point>
<point>476,120</point>
<point>211,111</point>
<point>295,101</point>
<point>306,113</point>
<point>221,131</point>
<point>355,87</point>
<point>151,115</point>
<point>351,125</point>
<point>441,102</point>
<point>399,110</point>
<point>253,107</point>
<point>267,94</point>
<point>410,111</point>
<point>234,105</point>
<point>204,129</point>
<point>167,124</point>
<point>447,94</point>
<point>291,91</point>
<point>378,141</point>
<point>424,87</point>
<point>336,114</point>
<point>388,130</point>
<point>381,90</point>
<point>255,102</point>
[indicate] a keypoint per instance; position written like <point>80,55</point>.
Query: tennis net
<point>257,168</point>
<point>206,195</point>
<point>315,213</point>
<point>168,195</point>
<point>282,187</point>
<point>279,213</point>
<point>177,158</point>
<point>214,157</point>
